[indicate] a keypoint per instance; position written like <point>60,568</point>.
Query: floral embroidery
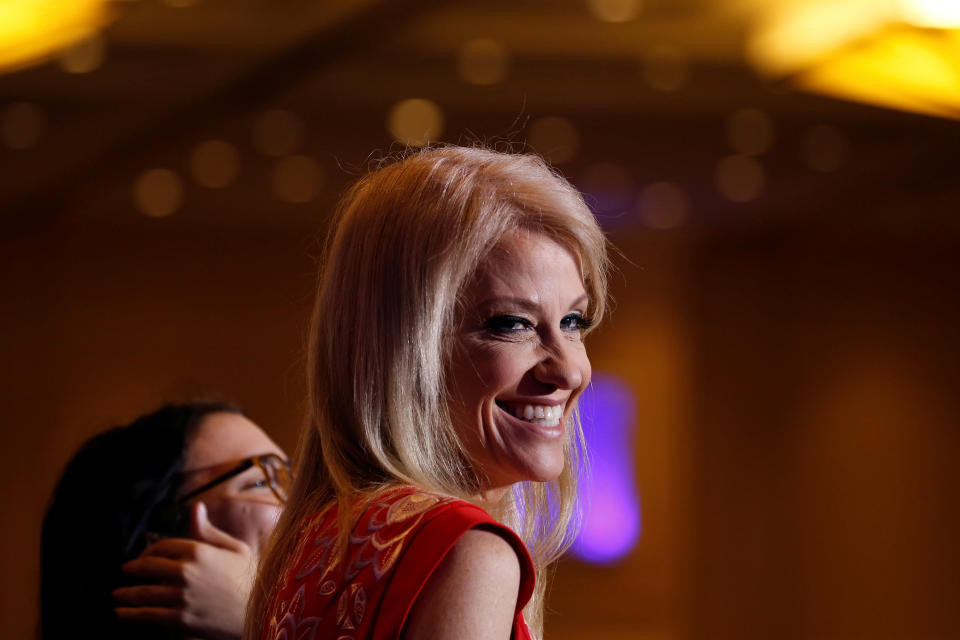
<point>382,542</point>
<point>288,622</point>
<point>359,602</point>
<point>327,588</point>
<point>344,620</point>
<point>350,616</point>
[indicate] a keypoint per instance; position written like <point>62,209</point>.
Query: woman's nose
<point>561,368</point>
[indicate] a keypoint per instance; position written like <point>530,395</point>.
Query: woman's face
<point>519,362</point>
<point>243,506</point>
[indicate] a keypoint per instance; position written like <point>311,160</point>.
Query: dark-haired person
<point>154,529</point>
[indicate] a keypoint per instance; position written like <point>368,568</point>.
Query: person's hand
<point>198,585</point>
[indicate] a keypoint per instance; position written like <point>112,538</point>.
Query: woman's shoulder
<point>474,592</point>
<point>459,540</point>
<point>399,539</point>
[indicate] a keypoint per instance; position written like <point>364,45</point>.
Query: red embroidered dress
<point>393,550</point>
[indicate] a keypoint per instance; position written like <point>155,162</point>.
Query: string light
<point>214,164</point>
<point>614,10</point>
<point>415,121</point>
<point>740,178</point>
<point>84,56</point>
<point>158,192</point>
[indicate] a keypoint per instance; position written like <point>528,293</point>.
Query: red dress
<point>393,550</point>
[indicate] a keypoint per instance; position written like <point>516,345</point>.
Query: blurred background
<point>775,406</point>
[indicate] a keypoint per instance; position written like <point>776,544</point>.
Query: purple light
<point>611,525</point>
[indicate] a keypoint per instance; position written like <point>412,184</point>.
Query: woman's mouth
<point>541,415</point>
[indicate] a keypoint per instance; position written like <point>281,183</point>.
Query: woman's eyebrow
<point>526,304</point>
<point>514,301</point>
<point>581,301</point>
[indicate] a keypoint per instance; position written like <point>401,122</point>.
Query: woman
<point>446,361</point>
<point>154,528</point>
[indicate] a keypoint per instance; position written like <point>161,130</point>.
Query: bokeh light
<point>33,31</point>
<point>84,56</point>
<point>823,148</point>
<point>415,121</point>
<point>158,192</point>
<point>792,35</point>
<point>942,14</point>
<point>665,67</point>
<point>297,179</point>
<point>614,10</point>
<point>555,138</point>
<point>214,164</point>
<point>740,178</point>
<point>21,125</point>
<point>482,61</point>
<point>663,205</point>
<point>277,132</point>
<point>611,524</point>
<point>750,131</point>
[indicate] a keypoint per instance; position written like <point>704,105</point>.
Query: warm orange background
<point>794,358</point>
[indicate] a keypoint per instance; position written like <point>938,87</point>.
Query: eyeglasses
<point>276,470</point>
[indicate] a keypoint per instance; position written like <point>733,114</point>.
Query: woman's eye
<point>256,484</point>
<point>507,324</point>
<point>575,322</point>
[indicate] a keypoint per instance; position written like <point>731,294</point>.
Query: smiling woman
<point>438,472</point>
<point>519,362</point>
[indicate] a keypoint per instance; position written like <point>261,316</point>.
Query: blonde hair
<point>405,241</point>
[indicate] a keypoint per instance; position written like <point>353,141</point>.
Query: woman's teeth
<point>538,414</point>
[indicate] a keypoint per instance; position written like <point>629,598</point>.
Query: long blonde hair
<point>405,241</point>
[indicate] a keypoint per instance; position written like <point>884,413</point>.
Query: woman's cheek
<point>250,521</point>
<point>266,519</point>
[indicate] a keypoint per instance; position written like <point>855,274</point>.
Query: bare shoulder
<point>472,594</point>
<point>487,552</point>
